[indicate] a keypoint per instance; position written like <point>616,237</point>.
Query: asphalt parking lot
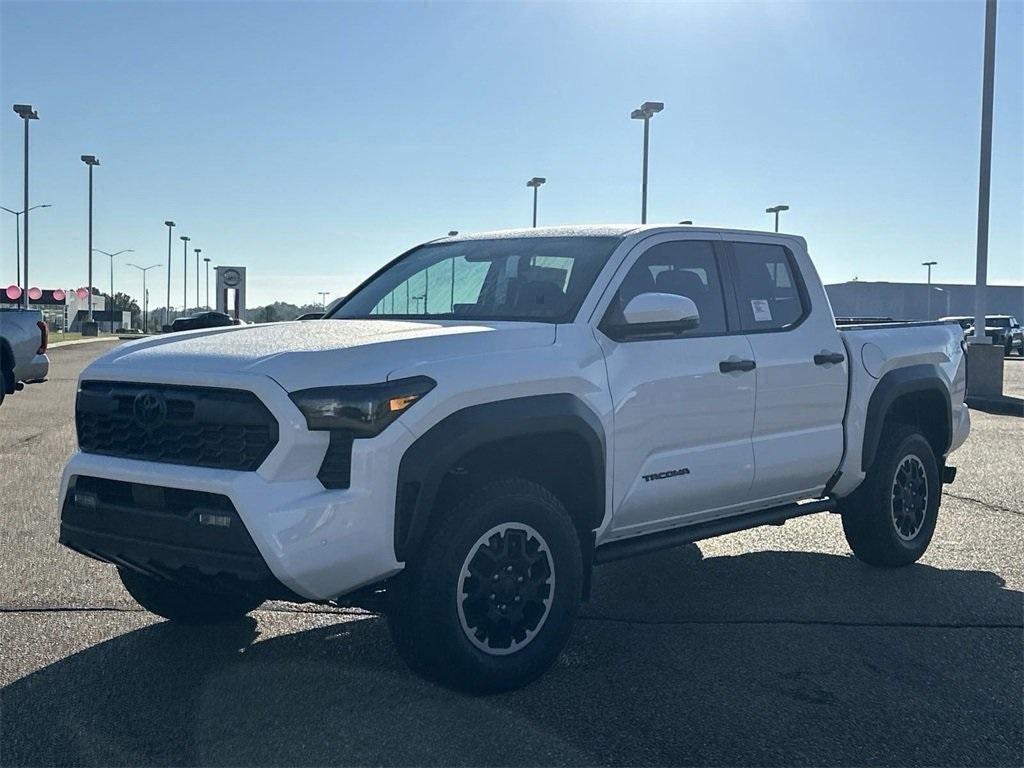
<point>769,647</point>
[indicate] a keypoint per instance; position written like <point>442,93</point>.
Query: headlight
<point>362,411</point>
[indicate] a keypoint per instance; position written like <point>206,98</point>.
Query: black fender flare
<point>428,460</point>
<point>914,379</point>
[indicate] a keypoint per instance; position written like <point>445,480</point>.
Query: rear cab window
<point>769,289</point>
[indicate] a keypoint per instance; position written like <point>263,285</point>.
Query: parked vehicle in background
<point>564,397</point>
<point>23,340</point>
<point>310,316</point>
<point>1004,330</point>
<point>202,320</point>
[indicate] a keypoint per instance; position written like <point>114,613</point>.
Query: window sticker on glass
<point>762,312</point>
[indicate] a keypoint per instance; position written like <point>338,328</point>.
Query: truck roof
<point>603,230</point>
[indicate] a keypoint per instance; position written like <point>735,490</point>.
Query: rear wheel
<point>890,519</point>
<point>186,604</point>
<point>488,602</point>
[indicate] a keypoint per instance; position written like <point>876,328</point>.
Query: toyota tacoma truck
<point>23,340</point>
<point>489,417</point>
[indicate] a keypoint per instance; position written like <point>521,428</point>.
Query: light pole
<point>112,255</point>
<point>535,182</point>
<point>145,294</point>
<point>167,308</point>
<point>647,110</point>
<point>984,176</point>
<point>777,209</point>
<point>92,161</point>
<point>184,274</point>
<point>929,264</point>
<point>323,299</point>
<point>17,235</point>
<point>207,260</point>
<point>26,113</point>
<point>198,251</point>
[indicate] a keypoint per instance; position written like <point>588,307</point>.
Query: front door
<point>682,438</point>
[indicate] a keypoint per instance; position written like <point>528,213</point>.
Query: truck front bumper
<point>286,539</point>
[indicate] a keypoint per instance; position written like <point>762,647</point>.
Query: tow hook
<point>948,475</point>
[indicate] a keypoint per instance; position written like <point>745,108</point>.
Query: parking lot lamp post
<point>26,113</point>
<point>777,209</point>
<point>167,308</point>
<point>647,110</point>
<point>92,161</point>
<point>198,251</point>
<point>184,274</point>
<point>323,299</point>
<point>207,260</point>
<point>112,255</point>
<point>17,236</point>
<point>535,182</point>
<point>929,264</point>
<point>145,294</point>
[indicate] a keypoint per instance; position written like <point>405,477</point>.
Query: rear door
<point>801,367</point>
<point>682,425</point>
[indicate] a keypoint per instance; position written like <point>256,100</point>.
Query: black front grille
<point>196,426</point>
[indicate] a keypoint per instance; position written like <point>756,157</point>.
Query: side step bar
<point>641,545</point>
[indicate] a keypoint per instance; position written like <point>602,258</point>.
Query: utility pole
<point>985,175</point>
<point>929,264</point>
<point>167,308</point>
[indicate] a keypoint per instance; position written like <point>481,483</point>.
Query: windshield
<point>997,322</point>
<point>528,278</point>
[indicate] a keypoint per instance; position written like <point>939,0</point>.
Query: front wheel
<point>186,604</point>
<point>889,520</point>
<point>488,602</point>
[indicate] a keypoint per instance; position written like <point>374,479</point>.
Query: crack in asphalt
<point>581,617</point>
<point>989,506</point>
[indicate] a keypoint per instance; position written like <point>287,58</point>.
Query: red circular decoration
<point>82,293</point>
<point>13,292</point>
<point>35,293</point>
<point>59,295</point>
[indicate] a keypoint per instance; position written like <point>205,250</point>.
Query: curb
<point>59,344</point>
<point>1001,406</point>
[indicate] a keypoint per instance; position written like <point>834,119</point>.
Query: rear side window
<point>766,287</point>
<point>685,268</point>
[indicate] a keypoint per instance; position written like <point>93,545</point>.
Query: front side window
<point>685,268</point>
<point>766,287</point>
<point>530,278</point>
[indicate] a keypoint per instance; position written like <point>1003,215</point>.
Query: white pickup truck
<point>23,340</point>
<point>489,416</point>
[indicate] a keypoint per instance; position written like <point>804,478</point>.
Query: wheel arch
<point>915,395</point>
<point>554,440</point>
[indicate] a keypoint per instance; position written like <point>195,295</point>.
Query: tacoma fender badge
<point>666,475</point>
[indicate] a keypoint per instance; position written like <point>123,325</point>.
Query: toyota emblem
<point>150,410</point>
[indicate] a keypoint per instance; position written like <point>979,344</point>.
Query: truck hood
<point>314,353</point>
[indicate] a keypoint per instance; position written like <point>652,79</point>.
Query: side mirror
<point>658,314</point>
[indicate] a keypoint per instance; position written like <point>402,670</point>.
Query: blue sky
<point>313,141</point>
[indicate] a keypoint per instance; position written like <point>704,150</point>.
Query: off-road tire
<point>186,604</point>
<point>885,523</point>
<point>429,610</point>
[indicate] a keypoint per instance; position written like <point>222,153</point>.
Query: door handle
<point>825,358</point>
<point>728,366</point>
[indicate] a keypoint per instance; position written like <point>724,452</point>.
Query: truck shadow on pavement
<point>767,658</point>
